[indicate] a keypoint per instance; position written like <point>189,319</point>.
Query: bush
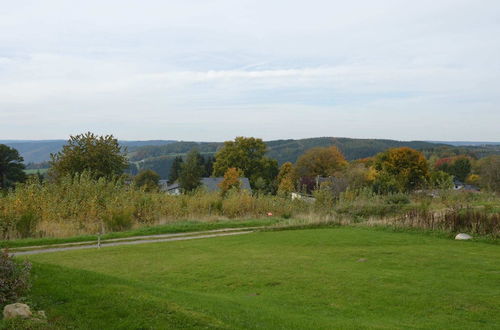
<point>324,200</point>
<point>26,224</point>
<point>118,221</point>
<point>398,199</point>
<point>14,279</point>
<point>238,204</point>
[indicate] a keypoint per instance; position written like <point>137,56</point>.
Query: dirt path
<point>139,240</point>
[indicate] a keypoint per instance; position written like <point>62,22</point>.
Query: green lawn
<point>292,279</point>
<point>36,171</point>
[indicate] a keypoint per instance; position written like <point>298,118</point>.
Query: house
<point>171,189</point>
<point>303,197</point>
<point>309,184</point>
<point>458,185</point>
<point>209,184</point>
<point>212,184</point>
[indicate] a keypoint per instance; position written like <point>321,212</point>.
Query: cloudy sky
<point>211,70</point>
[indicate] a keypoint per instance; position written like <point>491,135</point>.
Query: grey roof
<point>164,186</point>
<point>173,186</point>
<point>212,184</point>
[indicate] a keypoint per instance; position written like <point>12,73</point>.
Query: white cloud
<point>206,70</point>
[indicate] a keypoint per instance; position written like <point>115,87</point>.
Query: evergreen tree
<point>175,169</point>
<point>11,167</point>
<point>191,172</point>
<point>209,166</point>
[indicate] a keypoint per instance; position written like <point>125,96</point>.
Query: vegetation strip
<point>129,243</point>
<point>133,238</point>
<point>185,226</point>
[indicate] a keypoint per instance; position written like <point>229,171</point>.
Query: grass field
<point>331,278</point>
<point>36,171</point>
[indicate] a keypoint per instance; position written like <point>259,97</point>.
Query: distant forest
<point>160,158</point>
<point>159,155</point>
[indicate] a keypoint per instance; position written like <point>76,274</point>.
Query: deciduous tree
<point>147,180</point>
<point>101,156</point>
<point>320,162</point>
<point>489,172</point>
<point>440,180</point>
<point>286,179</point>
<point>231,180</point>
<point>459,167</point>
<point>246,154</point>
<point>400,169</point>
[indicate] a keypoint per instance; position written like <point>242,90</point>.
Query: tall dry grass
<point>469,220</point>
<point>81,205</point>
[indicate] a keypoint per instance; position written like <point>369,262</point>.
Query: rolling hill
<point>158,155</point>
<point>38,151</point>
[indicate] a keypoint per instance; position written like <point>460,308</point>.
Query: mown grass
<point>175,227</point>
<point>331,278</point>
<point>36,171</point>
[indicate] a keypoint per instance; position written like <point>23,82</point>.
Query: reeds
<point>469,220</point>
<point>81,205</point>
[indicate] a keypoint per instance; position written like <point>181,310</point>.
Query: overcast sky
<point>210,70</point>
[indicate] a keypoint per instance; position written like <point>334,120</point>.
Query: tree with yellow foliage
<point>231,180</point>
<point>400,170</point>
<point>286,179</point>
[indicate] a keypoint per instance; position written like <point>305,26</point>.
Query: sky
<point>210,70</point>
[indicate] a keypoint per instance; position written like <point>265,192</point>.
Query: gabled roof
<point>212,184</point>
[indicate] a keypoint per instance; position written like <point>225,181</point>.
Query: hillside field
<point>330,278</point>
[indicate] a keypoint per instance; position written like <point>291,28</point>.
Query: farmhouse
<point>458,185</point>
<point>209,184</point>
<point>171,189</point>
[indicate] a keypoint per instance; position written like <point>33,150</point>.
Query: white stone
<point>16,310</point>
<point>463,237</point>
<point>41,315</point>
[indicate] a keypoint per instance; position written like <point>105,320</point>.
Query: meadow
<point>336,277</point>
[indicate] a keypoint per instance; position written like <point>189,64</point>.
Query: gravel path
<point>142,240</point>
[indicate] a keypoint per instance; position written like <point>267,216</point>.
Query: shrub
<point>118,220</point>
<point>238,204</point>
<point>398,199</point>
<point>14,279</point>
<point>26,224</point>
<point>324,200</point>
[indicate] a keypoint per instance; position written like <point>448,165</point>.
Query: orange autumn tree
<point>320,162</point>
<point>231,180</point>
<point>286,179</point>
